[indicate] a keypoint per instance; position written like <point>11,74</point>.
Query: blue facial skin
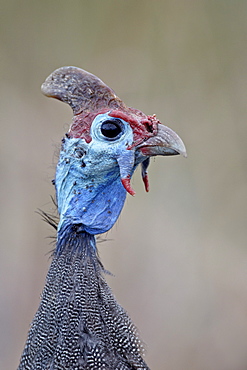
<point>88,178</point>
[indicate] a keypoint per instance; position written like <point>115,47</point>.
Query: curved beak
<point>166,142</point>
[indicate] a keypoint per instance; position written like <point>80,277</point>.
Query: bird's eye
<point>111,128</point>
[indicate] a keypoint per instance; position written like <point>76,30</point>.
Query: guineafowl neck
<point>73,239</point>
<point>79,324</point>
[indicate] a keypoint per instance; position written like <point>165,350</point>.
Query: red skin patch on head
<point>143,126</point>
<point>81,125</point>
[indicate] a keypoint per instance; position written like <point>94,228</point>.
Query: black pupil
<point>111,128</point>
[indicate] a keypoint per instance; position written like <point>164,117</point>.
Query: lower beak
<point>166,142</point>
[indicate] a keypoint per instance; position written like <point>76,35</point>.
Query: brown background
<point>179,253</point>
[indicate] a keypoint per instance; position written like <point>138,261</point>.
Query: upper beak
<point>166,142</point>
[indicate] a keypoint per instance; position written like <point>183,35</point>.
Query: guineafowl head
<point>105,143</point>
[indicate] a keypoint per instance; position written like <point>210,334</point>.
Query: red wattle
<point>146,182</point>
<point>127,186</point>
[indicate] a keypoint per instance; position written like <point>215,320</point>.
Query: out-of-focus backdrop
<point>179,253</point>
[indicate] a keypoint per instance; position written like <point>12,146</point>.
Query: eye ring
<point>112,129</point>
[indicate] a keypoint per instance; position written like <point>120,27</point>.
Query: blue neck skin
<point>93,199</point>
<point>88,185</point>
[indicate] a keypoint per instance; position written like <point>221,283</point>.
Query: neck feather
<point>79,324</point>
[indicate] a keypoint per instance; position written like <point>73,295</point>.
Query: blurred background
<point>179,253</point>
